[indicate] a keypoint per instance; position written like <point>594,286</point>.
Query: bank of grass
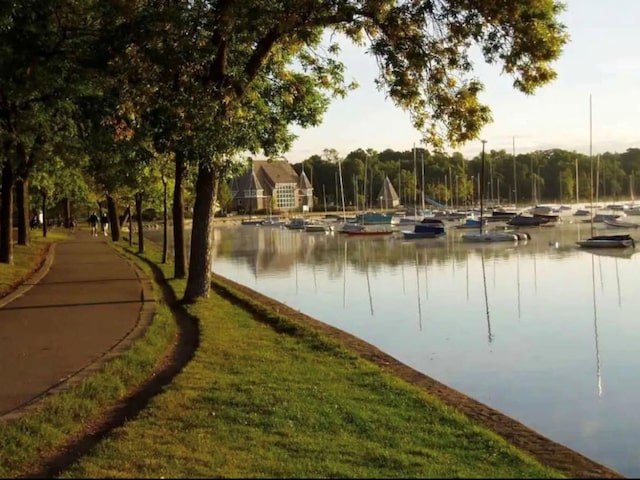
<point>44,429</point>
<point>28,258</point>
<point>267,397</point>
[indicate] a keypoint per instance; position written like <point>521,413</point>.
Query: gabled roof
<point>276,172</point>
<point>304,182</point>
<point>249,181</point>
<point>387,191</point>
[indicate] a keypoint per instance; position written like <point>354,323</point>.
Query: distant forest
<point>545,176</point>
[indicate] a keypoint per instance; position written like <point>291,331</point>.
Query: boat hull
<point>368,233</point>
<point>608,241</point>
<point>486,237</point>
<point>620,224</point>
<point>528,221</point>
<point>417,235</point>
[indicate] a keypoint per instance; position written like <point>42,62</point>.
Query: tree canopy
<point>206,81</point>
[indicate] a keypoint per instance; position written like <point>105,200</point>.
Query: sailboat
<point>482,235</point>
<point>602,241</point>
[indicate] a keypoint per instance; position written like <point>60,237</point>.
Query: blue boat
<point>427,228</point>
<point>297,223</point>
<point>472,223</point>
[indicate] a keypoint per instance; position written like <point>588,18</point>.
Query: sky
<point>600,60</point>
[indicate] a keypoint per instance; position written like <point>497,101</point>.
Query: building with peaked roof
<point>271,185</point>
<point>388,197</point>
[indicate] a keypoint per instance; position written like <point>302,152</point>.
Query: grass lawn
<point>27,259</point>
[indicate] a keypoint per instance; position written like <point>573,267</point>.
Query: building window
<point>285,196</point>
<point>253,193</point>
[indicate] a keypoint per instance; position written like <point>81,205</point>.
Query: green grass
<point>263,397</point>
<point>27,259</point>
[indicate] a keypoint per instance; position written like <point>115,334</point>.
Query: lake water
<point>544,331</point>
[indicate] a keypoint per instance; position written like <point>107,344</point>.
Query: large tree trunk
<point>179,255</point>
<point>22,194</point>
<point>201,253</point>
<point>44,213</point>
<point>114,221</point>
<point>22,206</point>
<point>165,215</point>
<point>6,214</point>
<point>138,199</point>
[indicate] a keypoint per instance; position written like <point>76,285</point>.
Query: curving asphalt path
<point>85,305</point>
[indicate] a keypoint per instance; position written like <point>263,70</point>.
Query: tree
<point>41,47</point>
<point>261,68</point>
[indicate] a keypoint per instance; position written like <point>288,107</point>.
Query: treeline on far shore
<point>552,176</point>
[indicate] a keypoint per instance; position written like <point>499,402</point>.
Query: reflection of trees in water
<point>277,250</point>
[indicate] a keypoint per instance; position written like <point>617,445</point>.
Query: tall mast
<point>344,211</point>
<point>515,178</point>
<point>364,183</point>
<point>577,179</point>
<point>422,190</point>
<point>591,158</point>
<point>482,185</point>
<point>415,190</point>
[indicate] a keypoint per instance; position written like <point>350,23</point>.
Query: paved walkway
<point>84,306</point>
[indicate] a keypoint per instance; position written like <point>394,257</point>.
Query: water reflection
<point>595,325</point>
<point>486,299</point>
<point>512,326</point>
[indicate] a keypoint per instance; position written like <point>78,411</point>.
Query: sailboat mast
<point>597,179</point>
<point>591,158</point>
<point>577,178</point>
<point>515,177</point>
<point>482,185</point>
<point>422,189</point>
<point>344,211</point>
<point>415,189</point>
<point>364,183</point>
<point>415,176</point>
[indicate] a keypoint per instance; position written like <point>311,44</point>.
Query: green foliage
<point>225,197</point>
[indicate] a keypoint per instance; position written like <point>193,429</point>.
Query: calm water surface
<point>545,332</point>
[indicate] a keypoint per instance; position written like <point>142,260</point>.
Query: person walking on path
<point>104,221</point>
<point>93,223</point>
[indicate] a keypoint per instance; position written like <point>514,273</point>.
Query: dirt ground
<point>546,451</point>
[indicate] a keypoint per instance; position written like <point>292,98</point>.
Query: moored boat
<point>616,223</point>
<point>427,228</point>
<point>252,222</point>
<point>482,237</point>
<point>318,227</point>
<point>471,222</point>
<point>297,223</point>
<point>608,241</point>
<point>374,218</point>
<point>525,220</point>
<point>366,232</point>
